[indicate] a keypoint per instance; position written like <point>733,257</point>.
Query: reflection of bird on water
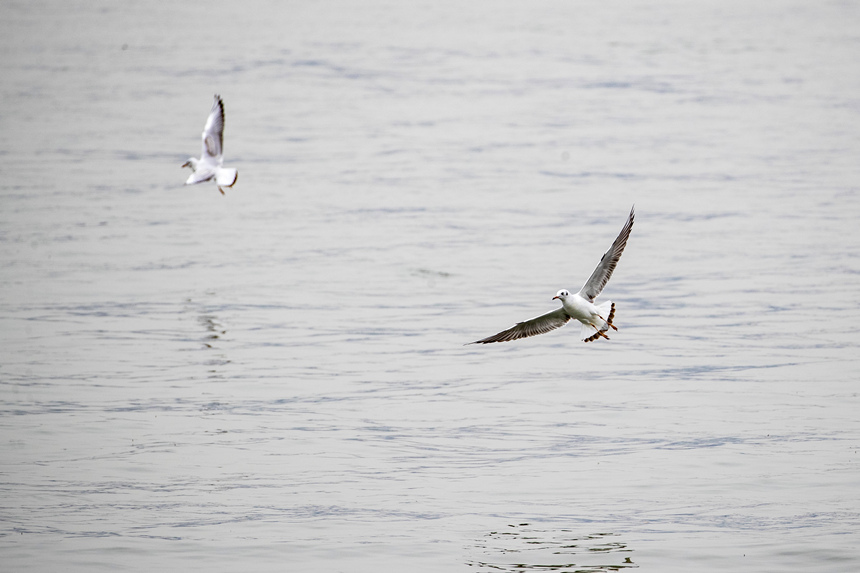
<point>522,547</point>
<point>211,324</point>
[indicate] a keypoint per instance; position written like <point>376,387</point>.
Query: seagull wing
<point>200,176</point>
<point>598,279</point>
<point>532,327</point>
<point>213,133</point>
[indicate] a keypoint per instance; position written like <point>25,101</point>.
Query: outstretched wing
<point>200,176</point>
<point>213,132</point>
<point>598,279</point>
<point>532,327</point>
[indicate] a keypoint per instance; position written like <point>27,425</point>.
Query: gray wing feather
<point>532,327</point>
<point>598,279</point>
<point>213,132</point>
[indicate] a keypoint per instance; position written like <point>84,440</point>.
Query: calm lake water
<point>276,379</point>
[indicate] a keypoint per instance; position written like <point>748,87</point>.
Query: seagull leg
<point>598,333</point>
<point>221,190</point>
<point>607,322</point>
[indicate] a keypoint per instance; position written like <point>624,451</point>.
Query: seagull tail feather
<point>226,176</point>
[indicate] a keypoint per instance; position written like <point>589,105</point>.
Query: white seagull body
<point>596,320</point>
<point>208,167</point>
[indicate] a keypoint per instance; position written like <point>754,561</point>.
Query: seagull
<point>596,320</point>
<point>208,167</point>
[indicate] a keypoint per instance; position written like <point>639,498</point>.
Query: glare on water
<point>277,378</point>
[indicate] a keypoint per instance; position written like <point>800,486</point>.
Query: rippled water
<point>276,379</point>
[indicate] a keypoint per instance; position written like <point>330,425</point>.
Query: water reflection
<point>213,328</point>
<point>213,333</point>
<point>521,547</point>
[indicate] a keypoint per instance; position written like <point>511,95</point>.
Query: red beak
<point>555,297</point>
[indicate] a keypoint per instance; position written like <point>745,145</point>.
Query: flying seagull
<point>208,167</point>
<point>596,320</point>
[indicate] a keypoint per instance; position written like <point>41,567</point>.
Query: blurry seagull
<point>596,320</point>
<point>209,165</point>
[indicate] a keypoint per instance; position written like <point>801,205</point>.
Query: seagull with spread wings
<point>208,167</point>
<point>596,320</point>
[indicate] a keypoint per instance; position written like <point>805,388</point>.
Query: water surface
<point>277,379</point>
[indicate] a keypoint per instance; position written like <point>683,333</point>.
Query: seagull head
<point>192,163</point>
<point>561,295</point>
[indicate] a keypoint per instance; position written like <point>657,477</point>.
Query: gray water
<point>276,379</point>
